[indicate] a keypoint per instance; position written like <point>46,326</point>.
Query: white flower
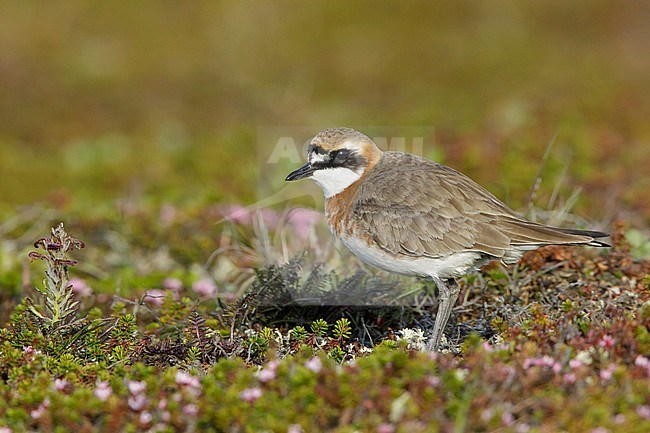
<point>585,357</point>
<point>414,338</point>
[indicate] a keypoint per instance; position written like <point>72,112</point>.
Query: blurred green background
<point>160,101</point>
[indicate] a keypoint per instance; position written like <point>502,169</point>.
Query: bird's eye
<point>340,156</point>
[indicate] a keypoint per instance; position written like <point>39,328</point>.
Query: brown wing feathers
<point>416,207</point>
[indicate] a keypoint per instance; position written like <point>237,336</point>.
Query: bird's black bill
<point>301,173</point>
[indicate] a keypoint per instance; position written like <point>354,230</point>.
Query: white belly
<point>453,266</point>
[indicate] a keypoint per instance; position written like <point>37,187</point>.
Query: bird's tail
<point>524,233</point>
<point>587,233</point>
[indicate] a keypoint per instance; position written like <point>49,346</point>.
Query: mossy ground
<point>560,342</point>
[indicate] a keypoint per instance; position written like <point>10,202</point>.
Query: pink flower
<point>608,373</point>
<point>37,413</point>
<point>250,394</point>
<point>186,379</point>
<point>522,428</point>
<point>544,361</point>
<point>433,381</point>
<point>607,342</point>
<point>293,428</point>
<point>60,384</point>
<point>155,296</point>
<point>173,284</point>
<point>487,414</point>
<point>547,361</point>
<point>507,419</point>
<point>137,402</point>
<point>314,364</point>
<point>575,363</point>
<point>167,214</point>
<point>31,351</point>
<point>599,430</point>
<point>238,214</point>
<point>385,428</point>
<point>303,220</point>
<point>620,419</point>
<point>270,218</point>
<point>557,367</point>
<point>266,375</point>
<point>5,430</point>
<point>190,409</point>
<point>569,378</point>
<point>643,411</point>
<point>80,287</point>
<point>487,346</point>
<point>145,417</point>
<point>162,403</point>
<point>205,287</point>
<point>136,387</point>
<point>640,360</point>
<point>643,362</point>
<point>40,410</point>
<point>103,391</point>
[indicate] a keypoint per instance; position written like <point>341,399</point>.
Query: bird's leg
<point>448,294</point>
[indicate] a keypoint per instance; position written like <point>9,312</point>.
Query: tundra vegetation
<point>143,290</point>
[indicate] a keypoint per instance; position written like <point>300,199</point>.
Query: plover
<point>412,216</point>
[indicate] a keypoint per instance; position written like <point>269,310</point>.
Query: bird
<point>412,216</point>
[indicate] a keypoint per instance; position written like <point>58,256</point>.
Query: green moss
<point>642,336</point>
<point>319,374</point>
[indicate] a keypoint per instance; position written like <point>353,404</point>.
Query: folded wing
<point>415,207</point>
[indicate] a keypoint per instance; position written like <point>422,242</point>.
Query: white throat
<point>335,180</point>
